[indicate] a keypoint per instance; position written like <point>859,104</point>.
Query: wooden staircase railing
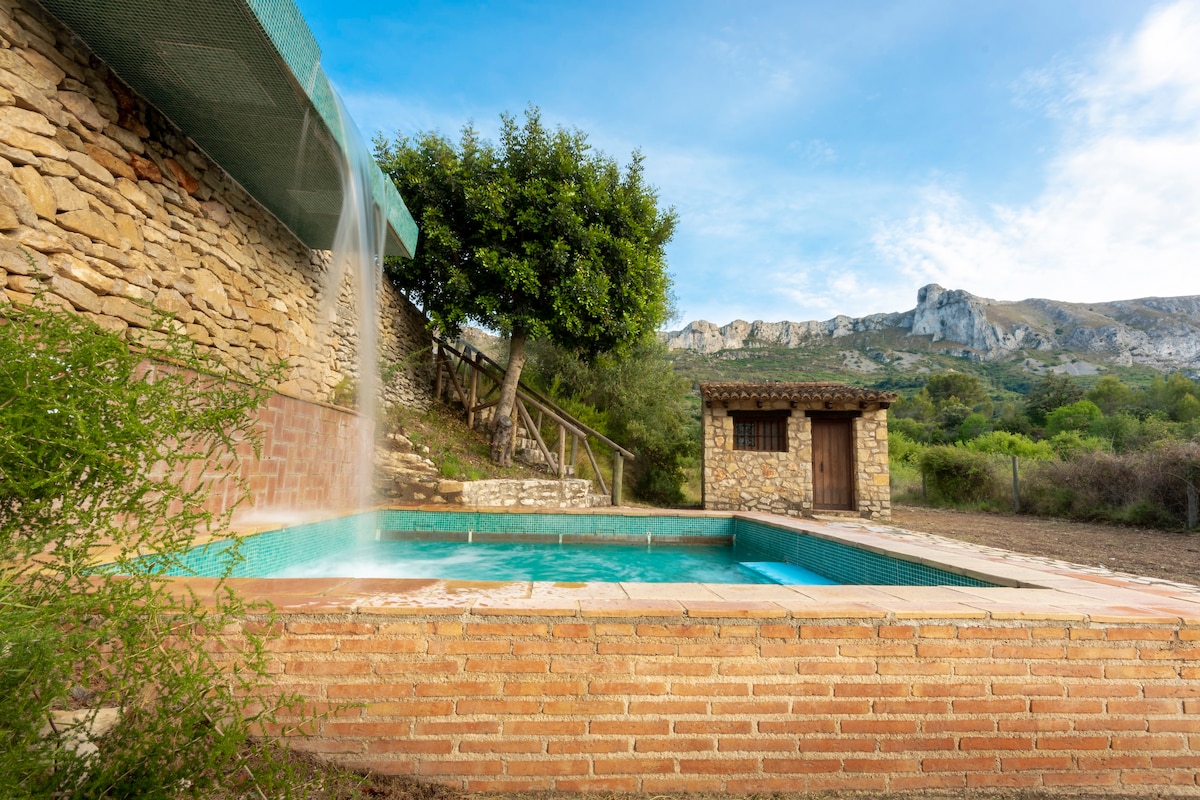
<point>463,370</point>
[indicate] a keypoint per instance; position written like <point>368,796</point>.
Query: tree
<point>1051,392</point>
<point>959,387</point>
<point>538,237</point>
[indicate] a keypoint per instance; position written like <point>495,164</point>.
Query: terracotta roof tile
<point>796,392</point>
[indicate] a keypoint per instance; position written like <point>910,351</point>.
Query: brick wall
<point>608,697</point>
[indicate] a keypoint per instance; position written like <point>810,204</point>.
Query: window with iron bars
<point>764,431</point>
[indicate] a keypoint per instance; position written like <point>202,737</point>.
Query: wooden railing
<point>475,379</point>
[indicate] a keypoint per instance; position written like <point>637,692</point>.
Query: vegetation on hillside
<point>538,237</point>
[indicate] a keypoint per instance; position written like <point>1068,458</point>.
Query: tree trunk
<point>502,422</point>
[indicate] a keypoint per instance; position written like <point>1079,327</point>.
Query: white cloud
<point>1119,213</point>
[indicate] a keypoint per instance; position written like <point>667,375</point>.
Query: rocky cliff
<point>1162,332</point>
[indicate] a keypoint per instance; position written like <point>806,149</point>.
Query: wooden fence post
<point>1016,488</point>
<point>618,469</point>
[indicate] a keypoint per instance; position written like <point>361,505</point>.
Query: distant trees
<point>538,237</point>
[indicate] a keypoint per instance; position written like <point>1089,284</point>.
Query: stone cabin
<point>795,448</point>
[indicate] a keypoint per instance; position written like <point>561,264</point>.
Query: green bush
<point>93,439</point>
<point>957,475</point>
<point>1011,444</point>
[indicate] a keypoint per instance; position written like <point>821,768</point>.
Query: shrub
<point>902,449</point>
<point>93,441</point>
<point>957,475</point>
<point>1077,416</point>
<point>1011,444</point>
<point>1070,445</point>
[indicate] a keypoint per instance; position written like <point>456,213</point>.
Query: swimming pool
<point>562,547</point>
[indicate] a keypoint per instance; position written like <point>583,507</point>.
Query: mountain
<point>1032,336</point>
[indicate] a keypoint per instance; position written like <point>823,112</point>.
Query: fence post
<point>1193,501</point>
<point>1016,488</point>
<point>618,469</point>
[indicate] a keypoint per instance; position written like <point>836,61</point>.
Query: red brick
<point>1034,724</point>
<point>1065,670</point>
<point>685,631</point>
<point>711,689</point>
<point>793,689</point>
<point>752,707</point>
<point>460,768</point>
<point>1177,762</point>
<point>1026,653</point>
<point>381,646</point>
<point>457,647</point>
<point>674,744</point>
<point>411,708</point>
<point>1109,724</point>
<point>336,729</point>
<point>839,668</point>
<point>553,648</point>
<point>1030,689</point>
<point>439,747</point>
<point>631,727</point>
<point>870,690</point>
<point>1084,652</point>
<point>497,707</point>
<point>507,630</point>
<point>909,783</point>
<point>1141,672</point>
<point>822,707</point>
<point>996,743</point>
<point>1140,634</point>
<point>836,632</point>
<point>1174,725</point>
<point>757,667</point>
<point>583,707</point>
<point>911,667</point>
<point>1159,778</point>
<point>916,744</point>
<point>879,727</point>
<point>574,746</point>
<point>1140,707</point>
<point>840,744</point>
<point>768,650</point>
<point>666,707</point>
<point>367,691</point>
<point>330,628</point>
<point>1147,743</point>
<point>456,688</point>
<point>878,650</point>
<point>488,727</point>
<point>718,650</point>
<point>501,746</point>
<point>718,766</point>
<point>327,668</point>
<point>778,632</point>
<point>1108,761</point>
<point>416,667</point>
<point>613,629</point>
<point>632,766</point>
<point>713,726</point>
<point>1078,778</point>
<point>1032,763</point>
<point>635,649</point>
<point>948,690</point>
<point>738,632</point>
<point>794,726</point>
<point>572,630</point>
<point>1072,743</point>
<point>558,767</point>
<point>590,667</point>
<point>1009,705</point>
<point>1174,690</point>
<point>544,727</point>
<point>953,650</point>
<point>801,766</point>
<point>906,706</point>
<point>966,764</point>
<point>990,632</point>
<point>897,631</point>
<point>694,670</point>
<point>505,665</point>
<point>627,688</point>
<point>543,688</point>
<point>757,744</point>
<point>891,766</point>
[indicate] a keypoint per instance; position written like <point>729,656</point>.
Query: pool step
<point>788,574</point>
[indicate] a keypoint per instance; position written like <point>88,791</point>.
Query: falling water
<point>358,248</point>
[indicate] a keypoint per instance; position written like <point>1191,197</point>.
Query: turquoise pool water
<point>488,545</point>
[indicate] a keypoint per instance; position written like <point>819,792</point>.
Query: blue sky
<point>832,157</point>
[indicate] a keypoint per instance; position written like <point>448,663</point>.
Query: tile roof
<point>796,392</point>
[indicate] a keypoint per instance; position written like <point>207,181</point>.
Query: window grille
<point>763,431</point>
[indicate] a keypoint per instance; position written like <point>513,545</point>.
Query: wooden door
<point>833,463</point>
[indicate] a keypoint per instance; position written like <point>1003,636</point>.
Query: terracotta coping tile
<point>754,591</point>
<point>537,606</point>
<point>669,591</point>
<point>308,604</point>
<point>410,605</point>
<point>742,609</point>
<point>371,586</point>
<point>639,607</point>
<point>938,611</point>
<point>800,609</point>
<point>1138,615</point>
<point>290,586</point>
<point>1049,615</point>
<point>581,591</point>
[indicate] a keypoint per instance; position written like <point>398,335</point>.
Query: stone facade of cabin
<point>781,480</point>
<point>108,210</point>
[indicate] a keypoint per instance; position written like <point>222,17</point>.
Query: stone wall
<point>112,211</point>
<point>530,493</point>
<point>782,482</point>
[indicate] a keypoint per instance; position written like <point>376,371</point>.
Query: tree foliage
<point>639,402</point>
<point>538,237</point>
<point>93,440</point>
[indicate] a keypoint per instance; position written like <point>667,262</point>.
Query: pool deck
<point>1038,589</point>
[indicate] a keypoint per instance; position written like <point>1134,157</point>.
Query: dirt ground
<point>1158,554</point>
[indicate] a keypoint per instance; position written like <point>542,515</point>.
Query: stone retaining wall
<point>112,211</point>
<point>629,696</point>
<point>530,493</point>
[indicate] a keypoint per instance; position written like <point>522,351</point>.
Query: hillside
<point>1008,342</point>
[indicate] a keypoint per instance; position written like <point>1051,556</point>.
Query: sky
<point>830,158</point>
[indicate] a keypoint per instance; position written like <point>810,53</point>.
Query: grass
<point>459,453</point>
